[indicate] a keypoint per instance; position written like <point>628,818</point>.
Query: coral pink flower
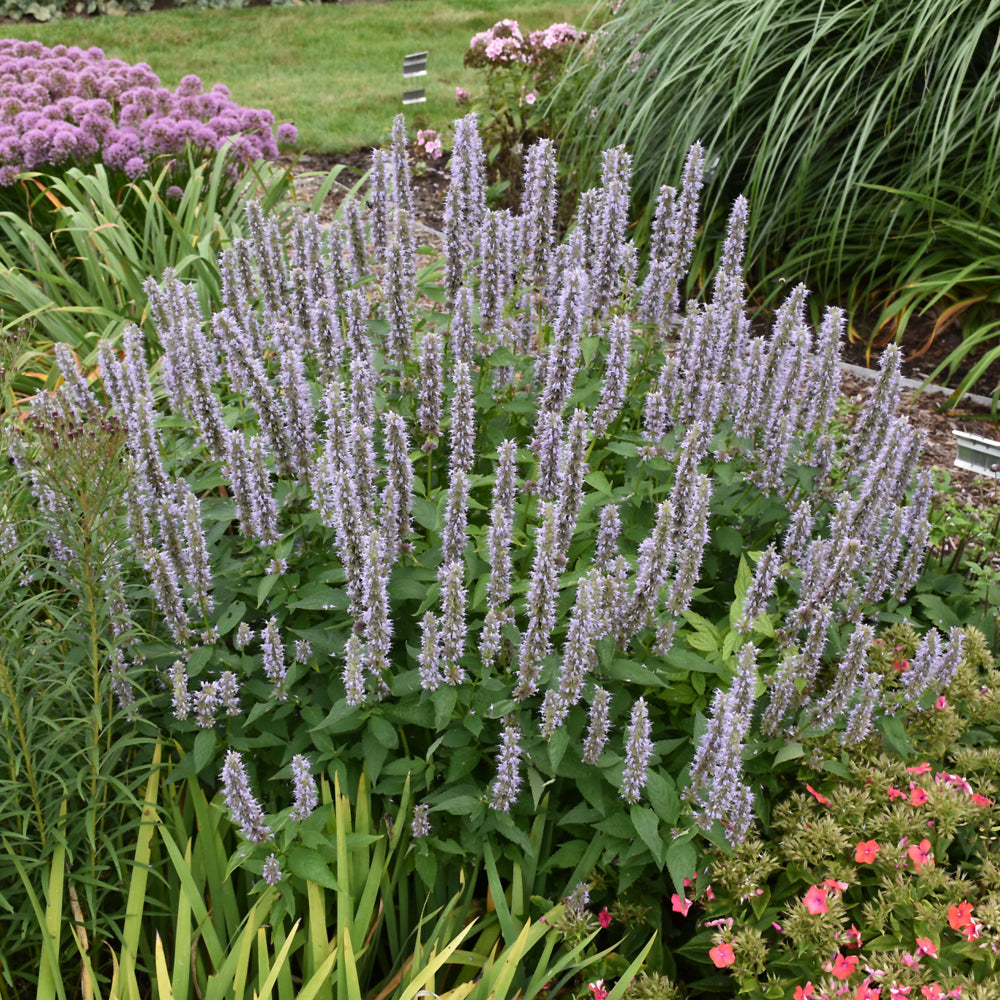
<point>917,795</point>
<point>920,855</point>
<point>960,916</point>
<point>981,800</point>
<point>821,799</point>
<point>600,993</point>
<point>932,992</point>
<point>927,947</point>
<point>834,886</point>
<point>865,852</point>
<point>868,992</point>
<point>679,905</point>
<point>844,967</point>
<point>895,793</point>
<point>804,992</point>
<point>853,937</point>
<point>721,956</point>
<point>920,768</point>
<point>815,900</point>
<point>899,992</point>
<point>972,930</point>
<point>605,918</point>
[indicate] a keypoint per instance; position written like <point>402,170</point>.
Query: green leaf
<point>383,731</point>
<point>558,746</point>
<point>790,751</point>
<point>894,733</point>
<point>647,826</point>
<point>204,749</point>
<point>230,617</point>
<point>309,865</point>
<point>599,481</point>
<point>319,597</point>
<point>686,660</point>
<point>682,862</point>
<point>663,797</point>
<point>444,699</point>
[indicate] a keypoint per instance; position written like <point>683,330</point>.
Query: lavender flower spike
<point>638,751</point>
<point>503,792</point>
<point>304,790</point>
<point>600,726</point>
<point>245,809</point>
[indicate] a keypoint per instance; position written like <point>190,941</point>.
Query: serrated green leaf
<point>647,826</point>
<point>309,865</point>
<point>790,751</point>
<point>682,861</point>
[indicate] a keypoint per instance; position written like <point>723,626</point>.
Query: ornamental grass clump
<point>486,528</point>
<point>64,106</point>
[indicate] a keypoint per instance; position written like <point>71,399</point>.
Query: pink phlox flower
<point>911,961</point>
<point>897,992</point>
<point>918,796</point>
<point>598,990</point>
<point>896,793</point>
<point>921,855</point>
<point>865,852</point>
<point>679,905</point>
<point>926,946</point>
<point>815,900</point>
<point>980,800</point>
<point>721,956</point>
<point>942,702</point>
<point>960,916</point>
<point>954,780</point>
<point>719,922</point>
<point>852,937</point>
<point>834,886</point>
<point>820,798</point>
<point>604,918</point>
<point>972,930</point>
<point>709,895</point>
<point>868,992</point>
<point>932,992</point>
<point>843,966</point>
<point>919,768</point>
<point>806,992</point>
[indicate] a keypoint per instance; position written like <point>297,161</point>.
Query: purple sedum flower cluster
<point>69,106</point>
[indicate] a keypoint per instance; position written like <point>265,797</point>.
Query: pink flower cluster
<point>428,143</point>
<point>504,44</point>
<point>501,44</point>
<point>69,105</point>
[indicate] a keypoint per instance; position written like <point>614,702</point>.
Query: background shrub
<point>861,133</point>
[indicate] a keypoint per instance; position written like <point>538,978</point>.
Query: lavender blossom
<point>304,792</point>
<point>615,385</point>
<point>166,589</point>
<point>398,307</point>
<point>879,405</point>
<point>638,752</point>
<point>303,650</point>
<point>244,636</point>
<point>760,589</point>
<point>245,810</point>
<point>204,705</point>
<point>599,728</point>
<point>452,624</point>
<point>420,826</point>
<point>502,525</point>
<point>271,872</point>
<point>564,356</point>
<point>547,448</point>
<point>851,678</point>
<point>274,657</point>
<point>463,420</point>
<point>227,689</point>
<point>460,333</point>
<point>429,658</point>
<point>431,386</point>
<point>672,244</point>
<point>932,667</point>
<point>539,204</point>
<point>354,673</point>
<point>495,268</point>
<point>503,791</point>
<point>612,264</point>
<point>397,498</point>
<point>540,602</point>
<point>197,565</point>
<point>177,680</point>
<point>717,768</point>
<point>694,532</point>
<point>465,202</point>
<point>610,526</point>
<point>456,514</point>
<point>250,480</point>
<point>572,470</point>
<point>586,627</point>
<point>656,555</point>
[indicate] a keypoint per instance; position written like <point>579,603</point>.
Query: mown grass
<point>334,70</point>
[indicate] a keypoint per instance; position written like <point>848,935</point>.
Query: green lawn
<point>334,70</point>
